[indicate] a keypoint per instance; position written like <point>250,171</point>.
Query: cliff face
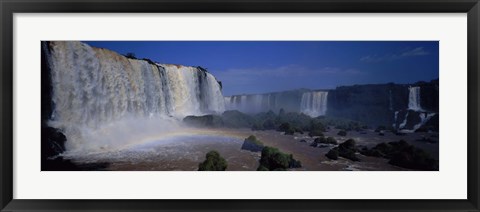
<point>372,104</point>
<point>385,104</point>
<point>288,100</point>
<point>379,104</point>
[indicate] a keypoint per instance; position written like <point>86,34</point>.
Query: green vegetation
<point>130,55</point>
<point>202,69</point>
<point>274,160</point>
<point>403,154</point>
<point>149,61</point>
<point>254,140</point>
<point>342,123</point>
<point>315,133</point>
<point>237,119</point>
<point>322,140</point>
<point>252,144</point>
<point>332,154</point>
<point>284,127</point>
<point>380,128</point>
<point>331,140</point>
<point>213,162</point>
<point>346,149</point>
<point>204,121</point>
<point>342,133</point>
<point>287,122</point>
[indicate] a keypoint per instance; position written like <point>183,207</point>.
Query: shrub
<point>273,159</point>
<point>262,168</point>
<point>149,61</point>
<point>213,162</point>
<point>256,126</point>
<point>289,132</point>
<point>403,154</point>
<point>130,55</point>
<point>269,124</point>
<point>347,150</point>
<point>298,130</point>
<point>252,144</point>
<point>204,121</point>
<point>414,158</point>
<point>315,133</point>
<point>331,140</point>
<point>380,128</point>
<point>284,127</point>
<point>237,119</point>
<point>332,154</point>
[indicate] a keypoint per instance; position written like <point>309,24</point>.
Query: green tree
<point>213,162</point>
<point>130,55</point>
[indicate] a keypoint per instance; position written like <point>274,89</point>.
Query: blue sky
<point>246,67</point>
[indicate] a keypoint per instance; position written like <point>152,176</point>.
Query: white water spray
<point>99,94</point>
<point>414,99</point>
<point>314,103</point>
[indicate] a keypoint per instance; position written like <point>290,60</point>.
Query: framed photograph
<point>253,106</point>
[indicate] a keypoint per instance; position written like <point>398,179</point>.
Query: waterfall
<point>314,103</point>
<point>247,103</point>
<point>414,99</point>
<point>402,125</point>
<point>311,103</point>
<point>424,118</point>
<point>93,88</point>
<point>395,119</point>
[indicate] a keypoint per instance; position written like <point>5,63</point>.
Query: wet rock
<point>252,144</point>
<point>332,154</point>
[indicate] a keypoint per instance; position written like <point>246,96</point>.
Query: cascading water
<point>249,103</point>
<point>404,123</point>
<point>414,99</point>
<point>424,118</point>
<point>97,93</point>
<point>314,103</point>
<point>394,125</point>
<point>311,103</point>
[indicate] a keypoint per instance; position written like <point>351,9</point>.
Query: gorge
<point>101,101</point>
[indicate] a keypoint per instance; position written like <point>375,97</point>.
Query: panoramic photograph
<point>240,106</point>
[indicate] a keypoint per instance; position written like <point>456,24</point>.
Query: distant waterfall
<point>395,117</point>
<point>414,99</point>
<point>93,87</point>
<point>424,118</point>
<point>314,103</point>
<point>249,103</point>
<point>404,123</point>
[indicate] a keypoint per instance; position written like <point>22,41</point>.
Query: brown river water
<point>183,151</point>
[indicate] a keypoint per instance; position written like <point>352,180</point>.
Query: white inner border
<point>448,183</point>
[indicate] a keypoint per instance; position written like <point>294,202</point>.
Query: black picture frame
<point>9,7</point>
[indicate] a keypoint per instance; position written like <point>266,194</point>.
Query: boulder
<point>332,154</point>
<point>347,150</point>
<point>252,144</point>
